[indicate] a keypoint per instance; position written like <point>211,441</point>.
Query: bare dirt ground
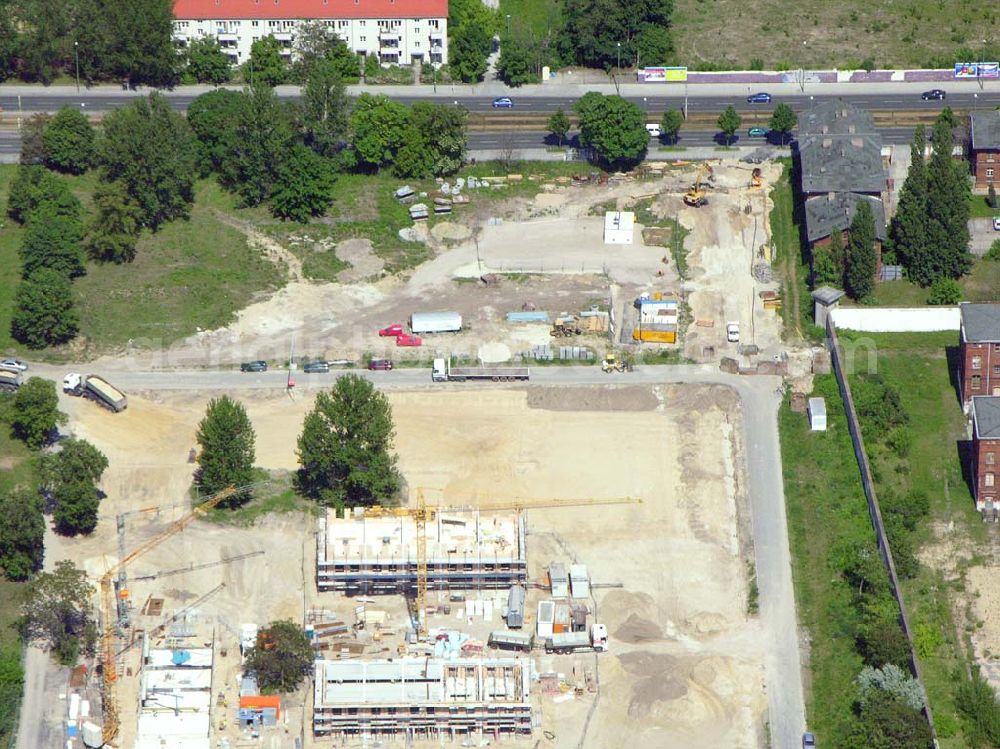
<point>685,667</point>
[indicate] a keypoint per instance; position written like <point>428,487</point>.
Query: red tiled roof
<point>305,9</point>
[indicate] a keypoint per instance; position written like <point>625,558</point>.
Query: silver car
<point>13,365</point>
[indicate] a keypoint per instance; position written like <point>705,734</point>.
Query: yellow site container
<point>655,334</point>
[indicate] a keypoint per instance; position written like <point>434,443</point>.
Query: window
<point>977,382</point>
<point>416,44</point>
<point>991,458</point>
<point>977,362</point>
<point>256,24</point>
<point>996,347</point>
<point>989,479</point>
<point>363,39</point>
<point>996,369</point>
<point>989,174</point>
<point>990,157</point>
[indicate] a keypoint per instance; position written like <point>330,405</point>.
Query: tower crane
<point>109,698</point>
<point>421,512</point>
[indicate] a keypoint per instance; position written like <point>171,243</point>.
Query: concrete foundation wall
<point>897,319</point>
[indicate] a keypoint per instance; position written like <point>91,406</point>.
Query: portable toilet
<point>817,414</point>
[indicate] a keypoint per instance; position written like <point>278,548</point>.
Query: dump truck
<point>97,389</point>
<point>9,380</point>
<point>435,322</point>
<point>594,641</point>
<point>444,372</point>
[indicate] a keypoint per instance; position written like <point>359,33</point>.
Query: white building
<point>397,32</point>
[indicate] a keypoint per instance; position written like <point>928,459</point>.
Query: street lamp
<point>979,68</point>
<point>508,24</point>
<point>619,55</point>
<point>76,54</point>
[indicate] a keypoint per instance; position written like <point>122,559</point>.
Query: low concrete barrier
<point>897,319</point>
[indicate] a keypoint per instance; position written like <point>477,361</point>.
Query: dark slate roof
<point>827,295</point>
<point>985,130</point>
<point>980,322</point>
<point>842,163</point>
<point>986,416</point>
<point>826,214</point>
<point>836,117</point>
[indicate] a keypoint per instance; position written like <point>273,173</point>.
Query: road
<point>783,673</point>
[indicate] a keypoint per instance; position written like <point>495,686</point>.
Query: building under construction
<point>422,697</point>
<point>378,554</point>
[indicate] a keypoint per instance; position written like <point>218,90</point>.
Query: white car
<point>996,223</point>
<point>733,332</point>
<point>653,129</point>
<point>13,365</point>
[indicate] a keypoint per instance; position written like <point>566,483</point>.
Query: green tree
<point>442,129</point>
<point>325,108</point>
<point>76,505</point>
<point>977,704</point>
<point>614,128</point>
<point>783,120</point>
<point>654,45</point>
<point>945,291</point>
<point>991,196</point>
<point>214,118</point>
<point>33,139</point>
<point>304,185</point>
<point>947,213</point>
<point>559,125</point>
<point>227,440</point>
<point>372,69</point>
<point>281,659</point>
<point>56,613</point>
<point>886,722</point>
<point>345,447</point>
<point>130,41</point>
<point>266,65</point>
<point>862,261</point>
<point>828,262</point>
<point>35,414</point>
<point>22,534</point>
<point>35,185</point>
<point>469,47</point>
<point>43,310</point>
<point>69,478</point>
<point>69,141</point>
<point>729,122</point>
<point>671,124</point>
<point>516,65</point>
<point>52,241</point>
<point>890,679</point>
<point>377,125</point>
<point>206,62</point>
<point>150,149</point>
<point>909,228</point>
<point>114,227</point>
<point>315,42</point>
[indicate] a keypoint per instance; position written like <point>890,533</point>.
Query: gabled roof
<point>196,10</point>
<point>985,130</point>
<point>842,163</point>
<point>835,117</point>
<point>980,322</point>
<point>986,417</point>
<point>826,214</point>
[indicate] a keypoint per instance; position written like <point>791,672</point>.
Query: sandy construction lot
<point>685,667</point>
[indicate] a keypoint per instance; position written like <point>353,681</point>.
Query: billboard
<point>977,70</point>
<point>663,75</point>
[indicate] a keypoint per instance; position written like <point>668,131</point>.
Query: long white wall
<point>897,319</point>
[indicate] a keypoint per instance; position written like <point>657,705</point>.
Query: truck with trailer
<point>435,322</point>
<point>594,641</point>
<point>444,372</point>
<point>97,389</point>
<point>507,640</point>
<point>9,380</point>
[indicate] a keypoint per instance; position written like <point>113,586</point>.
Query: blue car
<point>503,102</point>
<point>760,98</point>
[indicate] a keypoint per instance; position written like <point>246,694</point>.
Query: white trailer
<point>435,322</point>
<point>594,641</point>
<point>444,372</point>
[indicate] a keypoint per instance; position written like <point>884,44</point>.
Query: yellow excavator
<point>695,196</point>
<point>613,362</point>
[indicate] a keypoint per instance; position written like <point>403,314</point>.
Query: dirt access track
<point>686,663</point>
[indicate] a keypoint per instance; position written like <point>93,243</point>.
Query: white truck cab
<point>72,383</point>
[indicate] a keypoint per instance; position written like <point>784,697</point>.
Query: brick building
<point>980,351</point>
<point>984,148</point>
<point>395,32</point>
<point>986,453</point>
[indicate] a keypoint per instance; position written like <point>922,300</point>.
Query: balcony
<point>389,36</point>
<point>283,36</point>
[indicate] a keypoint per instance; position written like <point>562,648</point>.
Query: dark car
<point>934,94</point>
<point>808,741</point>
<point>316,367</point>
<point>380,364</point>
<point>254,366</point>
<point>759,98</point>
<point>503,102</point>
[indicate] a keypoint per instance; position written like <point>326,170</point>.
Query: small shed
<point>515,607</point>
<point>619,227</point>
<point>559,580</point>
<point>817,414</point>
<point>826,299</point>
<point>579,581</point>
<point>546,618</point>
<point>260,710</point>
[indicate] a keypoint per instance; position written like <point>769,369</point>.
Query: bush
<point>994,252</point>
<point>945,291</point>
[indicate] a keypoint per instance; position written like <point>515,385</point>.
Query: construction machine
<point>695,196</point>
<point>566,326</point>
<point>421,513</point>
<point>613,362</point>
<point>109,697</point>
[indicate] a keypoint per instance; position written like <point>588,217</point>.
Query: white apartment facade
<point>397,32</point>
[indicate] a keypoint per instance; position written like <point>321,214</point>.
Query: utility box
<point>817,414</point>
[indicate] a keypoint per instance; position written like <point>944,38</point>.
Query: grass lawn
<point>790,261</point>
<point>980,208</point>
<point>917,365</point>
<point>730,33</point>
<point>538,17</point>
<point>981,285</point>
<point>825,505</point>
